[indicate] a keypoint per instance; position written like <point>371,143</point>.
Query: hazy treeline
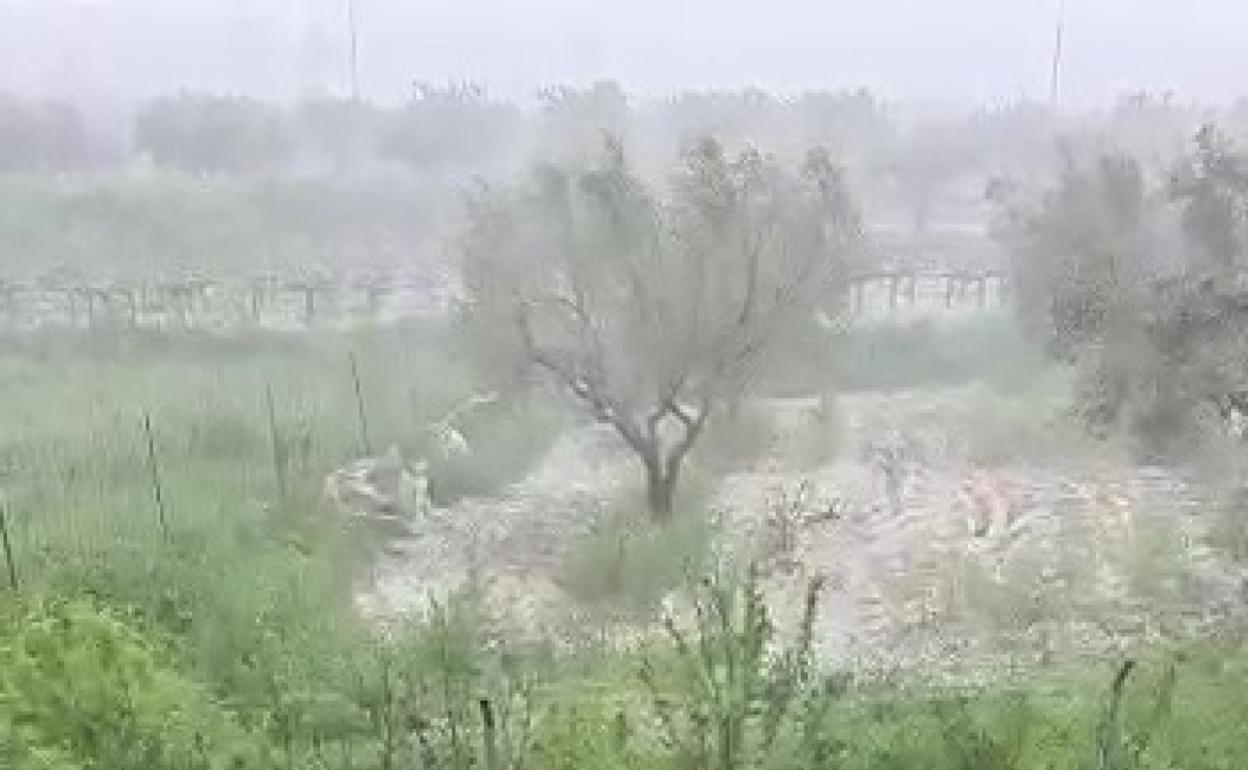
<point>222,182</point>
<point>461,129</point>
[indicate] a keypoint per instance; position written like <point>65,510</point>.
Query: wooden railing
<point>262,301</point>
<point>270,301</point>
<point>940,289</point>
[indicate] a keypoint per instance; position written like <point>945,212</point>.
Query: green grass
<point>895,355</point>
<point>158,224</point>
<point>627,566</point>
<point>229,639</point>
<point>252,586</point>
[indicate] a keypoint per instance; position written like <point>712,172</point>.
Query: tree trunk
<point>660,491</point>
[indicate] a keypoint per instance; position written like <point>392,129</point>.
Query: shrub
<point>629,564</point>
<point>730,697</point>
<point>77,684</point>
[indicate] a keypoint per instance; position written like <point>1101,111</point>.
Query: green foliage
<point>629,565</point>
<point>440,694</point>
<point>979,730</point>
<point>728,698</point>
<point>78,685</point>
<point>590,733</point>
<point>1030,424</point>
<point>652,310</point>
<point>505,439</point>
<point>254,585</point>
<point>1230,528</point>
<point>1080,253</point>
<point>896,356</point>
<point>1212,186</point>
<point>1142,287</point>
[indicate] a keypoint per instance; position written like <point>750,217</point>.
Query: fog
<point>676,385</point>
<point>965,50</point>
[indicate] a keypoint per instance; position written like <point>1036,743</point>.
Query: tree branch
<point>693,428</point>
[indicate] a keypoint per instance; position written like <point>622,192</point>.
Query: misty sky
<point>981,50</point>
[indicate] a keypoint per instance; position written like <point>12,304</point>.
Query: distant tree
<point>341,131</point>
<point>928,159</point>
<point>653,310</point>
<point>575,119</point>
<point>455,127</point>
<point>41,136</point>
<point>737,116</point>
<point>1212,187</point>
<point>603,103</point>
<point>212,135</point>
<point>851,123</point>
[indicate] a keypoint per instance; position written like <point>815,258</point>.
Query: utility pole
<point>1055,76</point>
<point>353,38</point>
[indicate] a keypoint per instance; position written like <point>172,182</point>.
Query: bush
<point>629,564</point>
<point>730,696</point>
<point>80,688</point>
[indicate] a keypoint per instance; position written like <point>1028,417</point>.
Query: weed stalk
<point>8,546</point>
<point>359,406</point>
<point>157,491</point>
<point>275,441</point>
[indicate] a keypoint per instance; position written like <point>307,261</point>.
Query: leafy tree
<point>604,103</point>
<point>210,135</point>
<point>1212,188</point>
<point>1143,286</point>
<point>41,136</point>
<point>1203,312</point>
<point>575,119</point>
<point>444,128</point>
<point>652,311</point>
<point>1078,251</point>
<point>929,158</point>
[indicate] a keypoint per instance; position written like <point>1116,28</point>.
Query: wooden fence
<point>202,303</point>
<point>892,290</point>
<point>275,302</point>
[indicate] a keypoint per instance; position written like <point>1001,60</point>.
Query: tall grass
<point>254,585</point>
<point>230,640</point>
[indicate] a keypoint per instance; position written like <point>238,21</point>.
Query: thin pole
<point>157,491</point>
<point>1056,74</point>
<point>8,547</point>
<point>279,469</point>
<point>353,34</point>
<point>359,406</point>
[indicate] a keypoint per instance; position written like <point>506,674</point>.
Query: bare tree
<point>652,311</point>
